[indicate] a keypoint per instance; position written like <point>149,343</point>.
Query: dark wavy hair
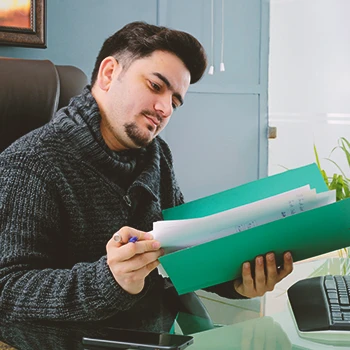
<point>139,39</point>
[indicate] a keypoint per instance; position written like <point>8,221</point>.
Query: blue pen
<point>133,239</point>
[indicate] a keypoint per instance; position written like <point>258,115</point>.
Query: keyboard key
<point>330,285</point>
<point>344,301</point>
<point>340,325</point>
<point>332,295</point>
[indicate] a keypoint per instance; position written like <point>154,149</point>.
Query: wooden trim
<point>32,37</point>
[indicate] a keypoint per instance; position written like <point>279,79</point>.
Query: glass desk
<point>276,329</point>
<point>273,331</point>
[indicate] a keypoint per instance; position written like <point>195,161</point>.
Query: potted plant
<point>339,182</point>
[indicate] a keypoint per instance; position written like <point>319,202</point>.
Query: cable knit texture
<point>63,193</point>
<point>62,196</point>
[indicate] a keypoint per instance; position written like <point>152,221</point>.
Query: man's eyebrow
<point>167,83</point>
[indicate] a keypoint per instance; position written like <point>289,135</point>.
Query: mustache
<point>152,114</point>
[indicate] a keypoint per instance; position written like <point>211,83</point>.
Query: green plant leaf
<point>337,184</point>
<point>345,146</point>
<point>346,190</point>
<point>325,177</point>
<point>340,188</point>
<point>333,182</point>
<point>317,158</point>
<point>342,172</point>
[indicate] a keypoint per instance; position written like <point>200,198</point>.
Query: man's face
<point>139,101</point>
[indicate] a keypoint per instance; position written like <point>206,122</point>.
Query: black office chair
<point>31,91</point>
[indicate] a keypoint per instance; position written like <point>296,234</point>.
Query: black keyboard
<point>321,304</point>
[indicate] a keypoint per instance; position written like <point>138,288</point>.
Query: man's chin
<point>140,138</point>
<point>141,142</point>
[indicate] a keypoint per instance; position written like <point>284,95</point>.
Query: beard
<point>134,133</point>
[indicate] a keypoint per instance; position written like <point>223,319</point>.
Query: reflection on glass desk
<point>276,330</point>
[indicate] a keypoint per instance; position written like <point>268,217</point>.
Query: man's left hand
<point>265,277</point>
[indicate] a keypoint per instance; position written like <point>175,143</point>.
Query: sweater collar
<point>80,121</point>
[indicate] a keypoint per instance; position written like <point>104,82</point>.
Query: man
<point>96,169</point>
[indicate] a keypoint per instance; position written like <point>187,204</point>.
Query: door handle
<point>272,133</point>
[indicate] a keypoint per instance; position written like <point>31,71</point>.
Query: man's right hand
<point>130,263</point>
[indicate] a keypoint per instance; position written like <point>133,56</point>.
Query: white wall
<point>309,81</point>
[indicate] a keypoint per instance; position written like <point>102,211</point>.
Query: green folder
<point>307,234</point>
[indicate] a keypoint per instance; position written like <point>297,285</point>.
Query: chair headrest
<point>31,91</point>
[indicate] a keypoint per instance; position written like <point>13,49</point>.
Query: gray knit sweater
<point>63,193</point>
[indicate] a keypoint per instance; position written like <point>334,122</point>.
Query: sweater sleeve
<point>32,284</point>
<point>225,290</point>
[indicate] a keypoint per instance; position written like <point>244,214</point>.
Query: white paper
<point>178,234</point>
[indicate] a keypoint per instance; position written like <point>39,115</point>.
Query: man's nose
<point>164,106</point>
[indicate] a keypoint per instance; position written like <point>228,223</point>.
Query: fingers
<point>248,280</point>
<point>245,286</point>
<point>136,254</point>
<point>287,265</point>
<point>144,243</point>
<point>260,278</point>
<point>125,233</point>
<point>137,262</point>
<point>130,263</point>
<point>272,273</point>
<point>266,275</point>
<point>275,274</point>
<point>129,250</point>
<point>141,273</point>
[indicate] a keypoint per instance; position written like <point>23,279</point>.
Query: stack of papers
<point>178,234</point>
<point>207,240</point>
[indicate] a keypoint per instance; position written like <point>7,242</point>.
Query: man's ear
<point>109,69</point>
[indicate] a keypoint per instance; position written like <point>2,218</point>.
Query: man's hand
<point>130,263</point>
<point>265,277</point>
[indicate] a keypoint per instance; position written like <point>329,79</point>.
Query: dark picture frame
<point>35,36</point>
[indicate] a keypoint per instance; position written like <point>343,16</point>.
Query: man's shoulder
<point>34,144</point>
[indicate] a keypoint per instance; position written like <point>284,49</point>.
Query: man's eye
<point>155,86</point>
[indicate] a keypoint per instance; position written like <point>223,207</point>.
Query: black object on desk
<point>321,307</point>
<point>129,339</point>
